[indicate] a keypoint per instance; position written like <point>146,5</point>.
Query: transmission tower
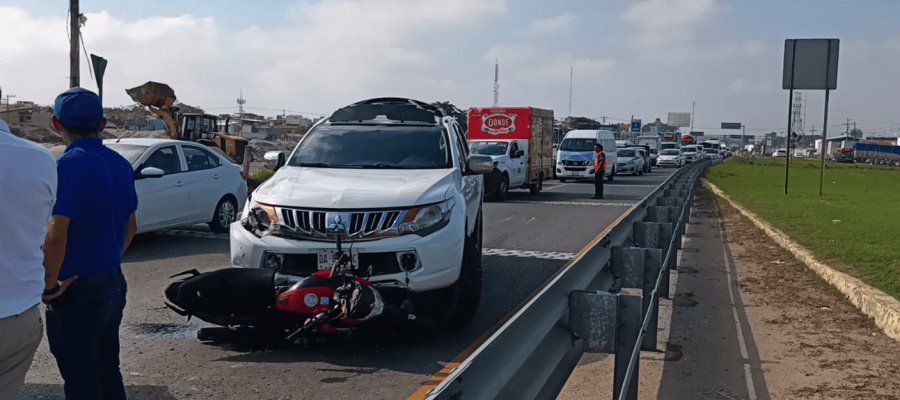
<point>797,111</point>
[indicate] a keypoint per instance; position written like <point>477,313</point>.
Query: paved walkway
<point>710,352</point>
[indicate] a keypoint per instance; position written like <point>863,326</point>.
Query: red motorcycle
<point>262,303</point>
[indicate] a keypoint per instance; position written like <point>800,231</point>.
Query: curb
<point>884,309</point>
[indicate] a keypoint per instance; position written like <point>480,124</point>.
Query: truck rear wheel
<point>536,187</point>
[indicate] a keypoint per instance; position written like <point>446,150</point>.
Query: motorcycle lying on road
<point>263,304</point>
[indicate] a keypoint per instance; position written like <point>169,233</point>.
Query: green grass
<point>855,223</point>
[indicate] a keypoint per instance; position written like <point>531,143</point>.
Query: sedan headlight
<point>426,220</point>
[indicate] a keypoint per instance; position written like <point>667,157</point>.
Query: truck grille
<point>575,163</point>
<point>317,224</point>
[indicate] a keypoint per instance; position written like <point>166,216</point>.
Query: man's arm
<point>130,230</point>
<point>54,253</point>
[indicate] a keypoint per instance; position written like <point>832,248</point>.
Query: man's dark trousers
<point>83,333</point>
<point>598,183</point>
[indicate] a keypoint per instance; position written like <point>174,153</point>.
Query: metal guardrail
<point>582,307</point>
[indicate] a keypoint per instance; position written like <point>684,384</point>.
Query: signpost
<point>636,125</point>
<point>736,125</point>
<point>809,64</point>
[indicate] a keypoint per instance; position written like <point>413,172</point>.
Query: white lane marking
<point>751,390</point>
<point>574,203</point>
<point>742,344</point>
<point>530,220</point>
<point>544,255</point>
<point>190,233</point>
<point>554,187</point>
<point>504,220</point>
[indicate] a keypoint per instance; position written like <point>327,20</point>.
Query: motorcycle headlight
<point>425,220</point>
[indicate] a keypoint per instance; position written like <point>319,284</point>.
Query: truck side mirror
<point>274,159</point>
<point>519,154</point>
<point>479,164</point>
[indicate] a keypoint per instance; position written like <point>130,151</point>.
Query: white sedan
<point>182,183</point>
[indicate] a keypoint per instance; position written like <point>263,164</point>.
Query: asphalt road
<point>526,239</point>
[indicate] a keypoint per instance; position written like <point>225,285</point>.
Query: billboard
<point>679,119</point>
<point>731,125</point>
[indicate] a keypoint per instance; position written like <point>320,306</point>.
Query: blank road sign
<point>810,64</point>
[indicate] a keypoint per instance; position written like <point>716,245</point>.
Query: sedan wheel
<point>226,213</point>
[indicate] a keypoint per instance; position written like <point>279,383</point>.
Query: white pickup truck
<point>393,178</point>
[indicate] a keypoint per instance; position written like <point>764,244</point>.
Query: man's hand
<point>53,291</point>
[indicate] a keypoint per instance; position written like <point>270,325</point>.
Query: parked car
<point>691,153</point>
<point>779,153</point>
<point>630,160</point>
<point>670,158</point>
<point>182,183</point>
<point>394,178</point>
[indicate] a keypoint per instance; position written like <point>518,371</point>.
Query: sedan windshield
<point>367,146</point>
<point>625,153</point>
<point>131,152</point>
<point>572,144</point>
<point>689,149</point>
<point>669,152</point>
<point>488,148</point>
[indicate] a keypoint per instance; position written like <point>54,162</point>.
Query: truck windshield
<point>367,146</point>
<point>573,144</point>
<point>488,148</point>
<point>669,152</point>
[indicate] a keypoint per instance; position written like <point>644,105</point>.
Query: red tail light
<point>243,175</point>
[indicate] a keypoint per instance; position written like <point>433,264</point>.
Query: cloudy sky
<point>630,57</point>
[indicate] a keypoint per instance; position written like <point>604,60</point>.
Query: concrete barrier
<point>884,309</point>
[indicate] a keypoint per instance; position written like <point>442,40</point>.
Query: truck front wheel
<point>451,308</point>
<point>502,188</point>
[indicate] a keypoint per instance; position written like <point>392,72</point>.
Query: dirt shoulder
<point>812,343</point>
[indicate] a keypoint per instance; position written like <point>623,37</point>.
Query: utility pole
<point>496,82</point>
<point>241,101</point>
<point>8,96</point>
<point>693,103</point>
<point>571,79</point>
<point>74,34</point>
<point>847,125</point>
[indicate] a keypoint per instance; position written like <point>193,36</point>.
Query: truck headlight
<point>261,218</point>
<point>426,220</point>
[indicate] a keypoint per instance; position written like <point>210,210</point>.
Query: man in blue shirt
<point>92,223</point>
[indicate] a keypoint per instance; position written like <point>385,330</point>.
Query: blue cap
<point>78,108</point>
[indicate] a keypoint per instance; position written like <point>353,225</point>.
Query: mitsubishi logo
<point>335,222</point>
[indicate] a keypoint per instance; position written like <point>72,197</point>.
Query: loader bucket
<point>154,94</point>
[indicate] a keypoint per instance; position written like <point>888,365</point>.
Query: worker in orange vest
<point>599,170</point>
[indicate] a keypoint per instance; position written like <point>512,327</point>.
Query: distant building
<point>833,143</point>
<point>659,128</point>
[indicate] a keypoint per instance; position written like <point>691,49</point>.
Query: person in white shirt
<point>28,173</point>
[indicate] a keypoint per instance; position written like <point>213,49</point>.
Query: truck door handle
<point>179,183</point>
<point>215,176</point>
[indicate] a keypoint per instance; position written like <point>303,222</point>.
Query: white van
<point>575,159</point>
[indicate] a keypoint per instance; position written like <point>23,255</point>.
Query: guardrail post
<point>666,232</point>
<point>627,330</point>
<point>662,214</point>
<point>593,317</point>
<point>646,234</point>
<point>628,266</point>
<point>650,304</point>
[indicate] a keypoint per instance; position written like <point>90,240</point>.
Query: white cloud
<point>744,86</point>
<point>658,23</point>
<point>184,51</point>
<point>341,51</point>
<point>552,25</point>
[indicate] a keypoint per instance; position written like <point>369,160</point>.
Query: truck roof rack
<point>388,110</point>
